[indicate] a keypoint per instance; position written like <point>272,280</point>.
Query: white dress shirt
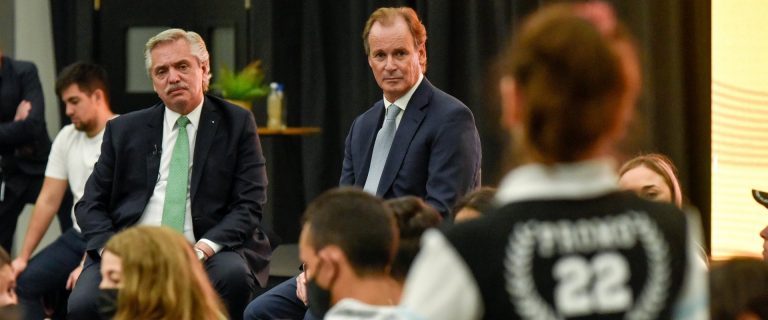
<point>402,102</point>
<point>153,213</point>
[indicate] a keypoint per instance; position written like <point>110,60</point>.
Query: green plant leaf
<point>248,84</point>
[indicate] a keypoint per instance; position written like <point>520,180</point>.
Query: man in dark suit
<point>417,141</point>
<point>24,143</point>
<point>434,152</point>
<point>192,163</point>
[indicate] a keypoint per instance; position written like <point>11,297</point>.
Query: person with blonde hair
<point>153,273</point>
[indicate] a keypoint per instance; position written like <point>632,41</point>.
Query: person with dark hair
<point>83,89</point>
<point>474,204</point>
<point>565,242</point>
<point>652,176</point>
<point>24,144</point>
<point>739,288</point>
<point>191,162</point>
<point>413,217</point>
<point>348,266</point>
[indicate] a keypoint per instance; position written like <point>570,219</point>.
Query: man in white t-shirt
<point>47,277</point>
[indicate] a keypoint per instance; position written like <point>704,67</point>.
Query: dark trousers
<point>279,302</point>
<point>227,270</point>
<point>21,189</point>
<point>46,275</point>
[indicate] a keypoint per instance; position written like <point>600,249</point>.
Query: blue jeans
<point>279,302</point>
<point>46,276</point>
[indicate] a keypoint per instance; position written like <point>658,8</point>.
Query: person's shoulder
<point>478,230</point>
<point>438,95</point>
<point>373,112</point>
<point>21,63</point>
<point>137,117</point>
<point>447,105</point>
<point>225,106</point>
<point>66,136</point>
<point>67,132</point>
<point>21,66</point>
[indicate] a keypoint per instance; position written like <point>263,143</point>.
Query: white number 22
<point>574,296</point>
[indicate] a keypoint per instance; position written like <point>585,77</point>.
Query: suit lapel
<point>409,124</point>
<point>206,131</point>
<point>154,143</point>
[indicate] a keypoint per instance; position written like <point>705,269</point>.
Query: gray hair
<point>196,45</point>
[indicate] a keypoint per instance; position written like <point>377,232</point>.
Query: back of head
<point>567,68</point>
<point>736,286</point>
<point>88,77</point>
<point>663,166</point>
<point>358,223</point>
<point>161,277</point>
<point>388,15</point>
<point>413,217</point>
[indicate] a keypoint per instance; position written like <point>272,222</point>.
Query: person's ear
<point>326,274</point>
<point>511,102</point>
<point>98,95</point>
<point>422,57</point>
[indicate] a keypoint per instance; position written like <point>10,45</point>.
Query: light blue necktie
<point>381,149</point>
<point>175,205</point>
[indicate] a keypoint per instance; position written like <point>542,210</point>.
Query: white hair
<point>196,45</point>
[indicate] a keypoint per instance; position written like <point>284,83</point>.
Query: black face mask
<point>319,297</point>
<point>107,303</point>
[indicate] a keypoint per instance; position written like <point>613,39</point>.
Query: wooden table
<point>289,131</point>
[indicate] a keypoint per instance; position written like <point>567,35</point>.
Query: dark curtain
<point>315,48</point>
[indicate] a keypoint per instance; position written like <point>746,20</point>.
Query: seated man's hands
<point>301,288</point>
<point>73,276</point>
<point>18,265</point>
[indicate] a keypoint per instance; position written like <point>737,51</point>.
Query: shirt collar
<point>402,102</point>
<point>590,178</point>
<point>194,116</point>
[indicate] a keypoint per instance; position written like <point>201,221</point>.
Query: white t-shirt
<point>351,309</point>
<point>73,155</point>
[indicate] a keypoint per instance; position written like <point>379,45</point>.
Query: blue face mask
<point>107,303</point>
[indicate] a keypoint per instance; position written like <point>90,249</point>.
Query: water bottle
<point>275,107</point>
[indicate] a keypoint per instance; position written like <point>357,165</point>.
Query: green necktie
<point>174,208</point>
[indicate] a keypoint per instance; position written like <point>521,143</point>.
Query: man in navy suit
<point>433,153</point>
<point>24,143</point>
<point>135,179</point>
